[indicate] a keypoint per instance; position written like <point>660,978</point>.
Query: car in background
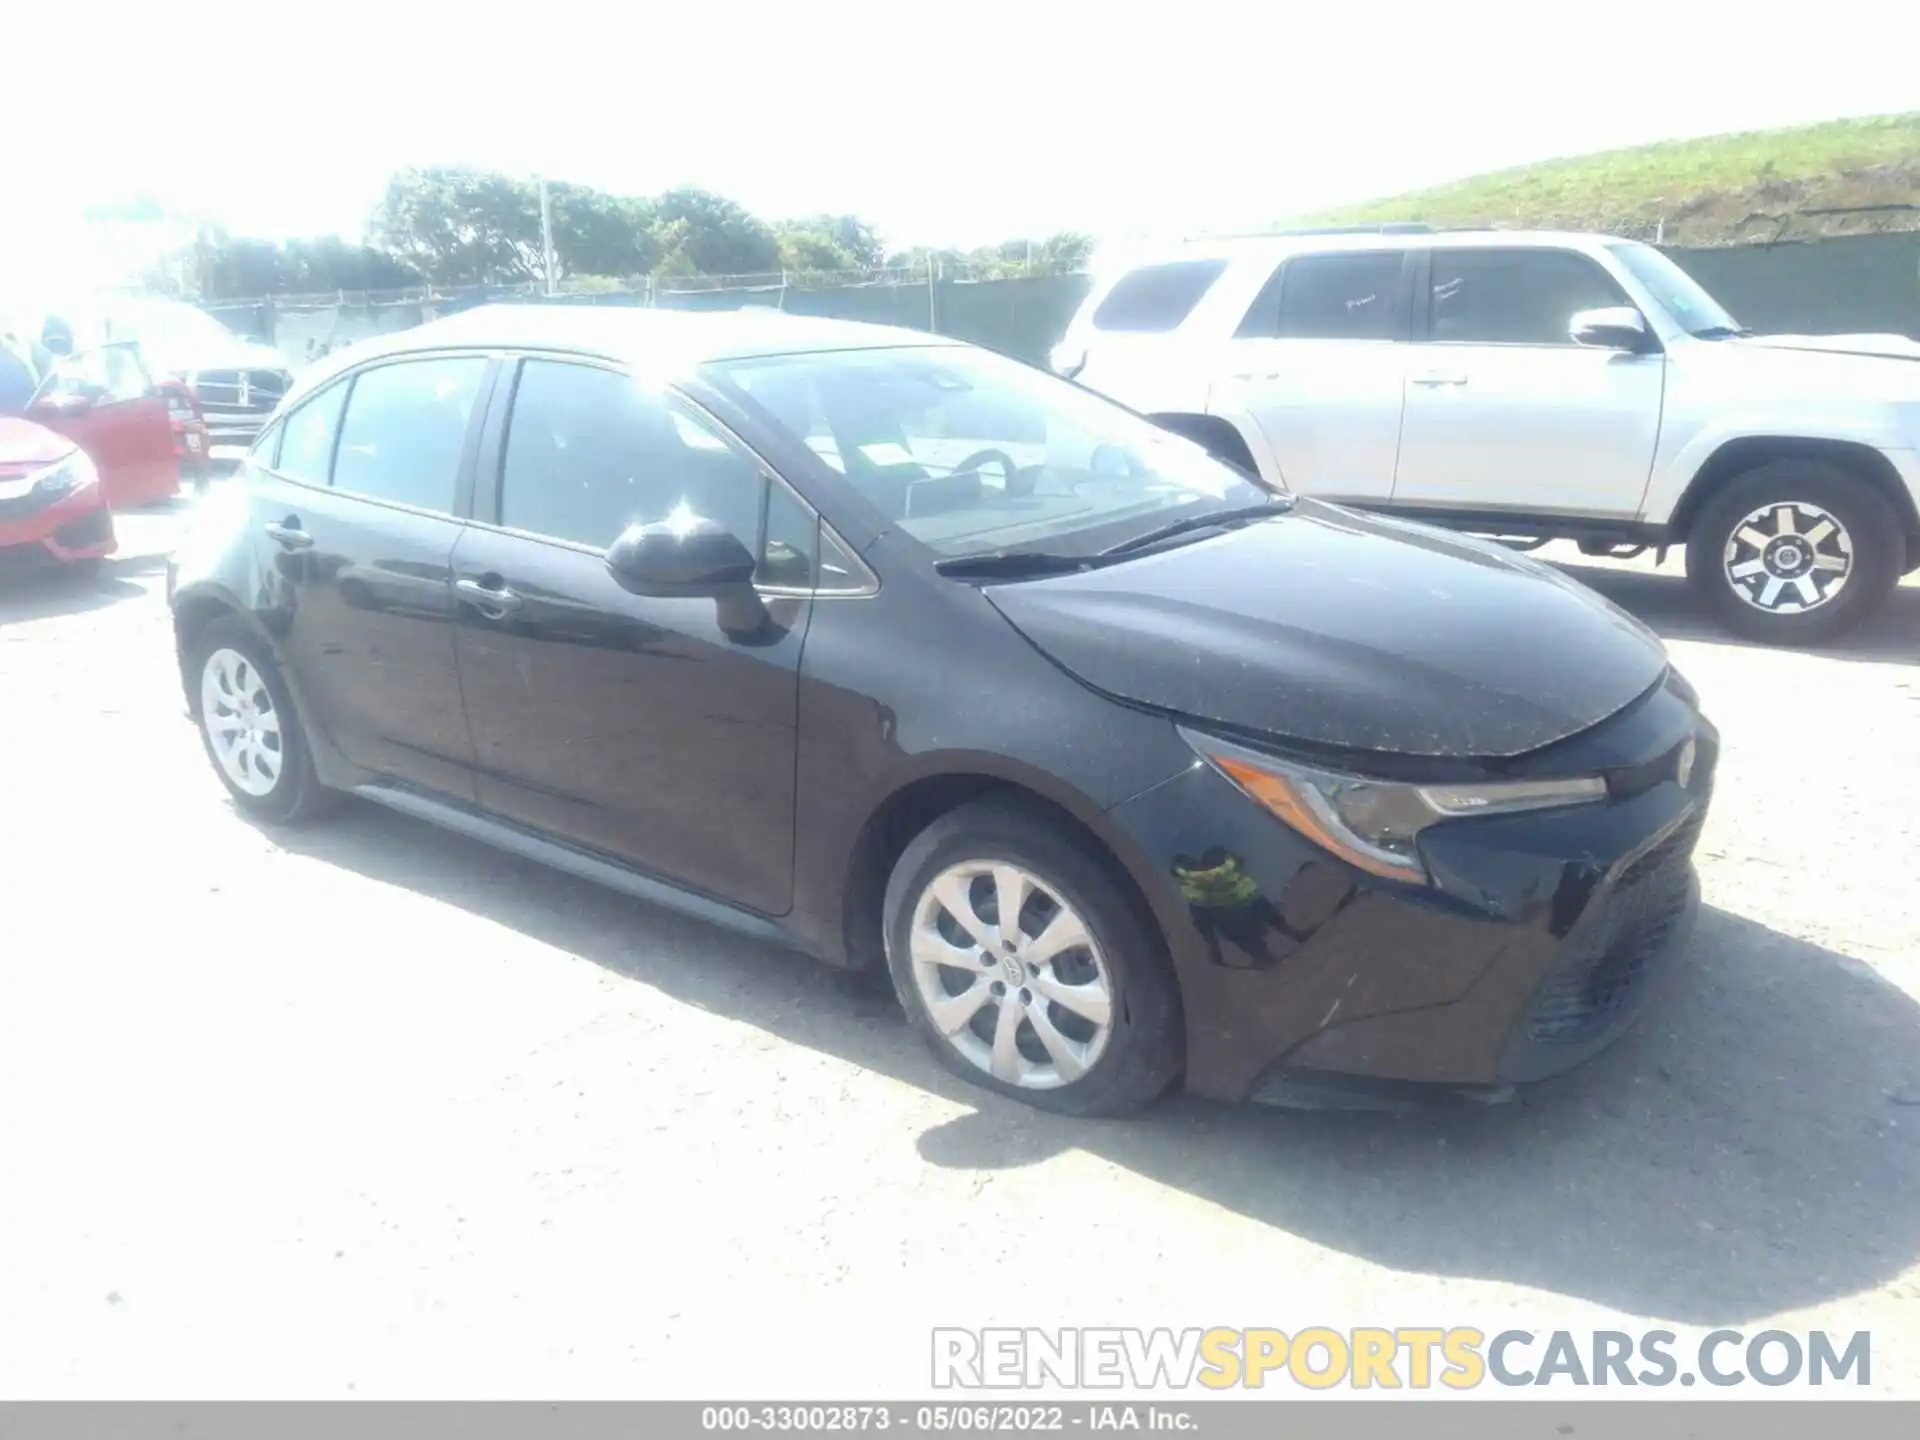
<point>53,509</point>
<point>1128,765</point>
<point>142,431</point>
<point>1533,387</point>
<point>234,383</point>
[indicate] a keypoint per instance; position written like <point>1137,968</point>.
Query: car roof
<point>673,339</point>
<point>1276,246</point>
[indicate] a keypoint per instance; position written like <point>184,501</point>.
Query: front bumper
<point>76,526</point>
<point>1536,947</point>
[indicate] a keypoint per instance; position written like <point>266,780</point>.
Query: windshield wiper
<point>1237,515</point>
<point>1721,332</point>
<point>998,563</point>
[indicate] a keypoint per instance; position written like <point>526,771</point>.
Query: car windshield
<point>972,453</point>
<point>1682,296</point>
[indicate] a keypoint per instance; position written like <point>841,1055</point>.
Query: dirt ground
<point>367,1109</point>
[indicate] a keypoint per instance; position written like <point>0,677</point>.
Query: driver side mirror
<point>685,555</point>
<point>1611,327</point>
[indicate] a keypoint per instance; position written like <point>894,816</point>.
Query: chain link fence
<point>1864,281</point>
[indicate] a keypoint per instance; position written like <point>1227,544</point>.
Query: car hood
<point>1888,346</point>
<point>1331,628</point>
<point>235,354</point>
<point>27,446</point>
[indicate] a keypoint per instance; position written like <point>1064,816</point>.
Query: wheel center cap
<point>1015,975</point>
<point>1788,559</point>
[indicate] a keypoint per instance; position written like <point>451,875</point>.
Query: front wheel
<point>1794,552</point>
<point>1025,967</point>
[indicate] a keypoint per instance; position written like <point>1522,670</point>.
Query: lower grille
<point>93,528</point>
<point>246,392</point>
<point>1594,982</point>
<point>19,507</point>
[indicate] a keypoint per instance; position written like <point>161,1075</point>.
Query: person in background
<point>56,337</point>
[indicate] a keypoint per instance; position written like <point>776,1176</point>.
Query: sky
<point>956,124</point>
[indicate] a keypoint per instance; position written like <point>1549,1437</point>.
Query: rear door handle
<point>288,534</point>
<point>1434,377</point>
<point>495,601</point>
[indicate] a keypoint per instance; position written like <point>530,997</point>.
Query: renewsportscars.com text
<point>1415,1358</point>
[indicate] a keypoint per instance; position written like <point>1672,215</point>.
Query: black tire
<point>1145,1045</point>
<point>1868,522</point>
<point>297,793</point>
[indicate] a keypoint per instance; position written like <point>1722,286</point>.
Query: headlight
<point>1373,824</point>
<point>64,476</point>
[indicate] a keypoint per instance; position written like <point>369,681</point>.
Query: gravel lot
<point>366,1109</point>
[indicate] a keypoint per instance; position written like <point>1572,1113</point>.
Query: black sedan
<point>1129,768</point>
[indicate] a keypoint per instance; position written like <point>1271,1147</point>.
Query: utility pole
<point>546,234</point>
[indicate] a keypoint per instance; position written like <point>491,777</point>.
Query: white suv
<point>1534,387</point>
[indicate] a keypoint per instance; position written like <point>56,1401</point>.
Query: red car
<point>99,434</point>
<point>52,505</point>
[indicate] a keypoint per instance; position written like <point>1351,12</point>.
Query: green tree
<point>712,234</point>
<point>599,234</point>
<point>855,241</point>
<point>327,262</point>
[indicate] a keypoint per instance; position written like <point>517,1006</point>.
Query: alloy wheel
<point>1788,556</point>
<point>242,723</point>
<point>1010,975</point>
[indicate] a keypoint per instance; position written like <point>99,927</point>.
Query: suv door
<point>1503,410</point>
<point>1319,363</point>
<point>106,403</point>
<point>355,494</point>
<point>657,730</point>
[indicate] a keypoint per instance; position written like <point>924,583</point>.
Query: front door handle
<point>287,533</point>
<point>1434,377</point>
<point>495,601</point>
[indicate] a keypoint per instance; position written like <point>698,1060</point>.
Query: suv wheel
<point>1025,968</point>
<point>1794,552</point>
<point>249,727</point>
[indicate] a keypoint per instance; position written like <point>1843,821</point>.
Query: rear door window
<point>405,430</point>
<point>1340,297</point>
<point>1513,297</point>
<point>1157,297</point>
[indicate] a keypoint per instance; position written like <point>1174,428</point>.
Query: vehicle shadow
<point>44,594</point>
<point>1744,1152</point>
<point>1665,603</point>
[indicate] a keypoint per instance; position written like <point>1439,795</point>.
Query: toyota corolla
<point>1131,769</point>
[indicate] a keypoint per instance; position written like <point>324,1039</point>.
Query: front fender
<point>1251,435</point>
<point>1685,450</point>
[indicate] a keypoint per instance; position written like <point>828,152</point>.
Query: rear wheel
<point>250,728</point>
<point>1794,552</point>
<point>1024,966</point>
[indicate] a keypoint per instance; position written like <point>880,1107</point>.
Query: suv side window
<point>1513,296</point>
<point>405,429</point>
<point>1335,297</point>
<point>591,451</point>
<point>304,440</point>
<point>1156,298</point>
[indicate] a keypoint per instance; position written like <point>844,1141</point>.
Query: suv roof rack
<point>1388,227</point>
